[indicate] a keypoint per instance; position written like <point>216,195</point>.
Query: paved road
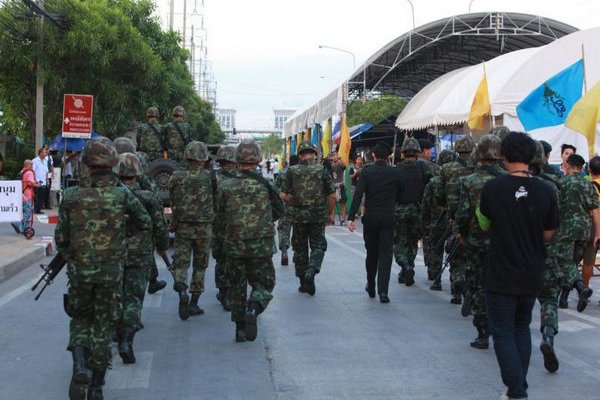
<point>337,345</point>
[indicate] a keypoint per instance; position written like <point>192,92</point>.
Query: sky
<point>265,54</point>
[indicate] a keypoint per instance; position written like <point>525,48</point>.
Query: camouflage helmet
<point>124,145</point>
<point>464,144</point>
<point>99,152</point>
<point>129,165</point>
<point>500,131</point>
<point>178,111</point>
<point>445,157</point>
<point>196,151</point>
<point>307,146</point>
<point>411,145</point>
<point>152,112</point>
<point>539,158</point>
<point>226,153</point>
<point>248,152</point>
<point>489,148</point>
<point>143,158</point>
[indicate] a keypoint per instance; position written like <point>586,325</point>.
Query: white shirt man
<point>40,167</point>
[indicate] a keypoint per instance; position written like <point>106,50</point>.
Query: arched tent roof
<point>447,100</point>
<point>410,62</point>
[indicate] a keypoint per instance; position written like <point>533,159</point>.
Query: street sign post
<point>77,116</point>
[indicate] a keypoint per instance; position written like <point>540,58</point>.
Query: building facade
<point>280,116</point>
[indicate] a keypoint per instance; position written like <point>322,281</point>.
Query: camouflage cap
<point>307,146</point>
<point>129,165</point>
<point>226,153</point>
<point>489,148</point>
<point>464,144</point>
<point>539,158</point>
<point>410,145</point>
<point>178,111</point>
<point>143,161</point>
<point>196,151</point>
<point>152,112</point>
<point>248,152</point>
<point>124,145</point>
<point>445,157</point>
<point>99,152</point>
<point>500,131</point>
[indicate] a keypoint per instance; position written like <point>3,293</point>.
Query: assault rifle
<point>454,246</point>
<point>50,272</point>
<point>169,264</point>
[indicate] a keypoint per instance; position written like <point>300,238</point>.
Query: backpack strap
<point>181,135</point>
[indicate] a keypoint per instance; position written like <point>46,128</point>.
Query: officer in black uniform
<point>379,183</point>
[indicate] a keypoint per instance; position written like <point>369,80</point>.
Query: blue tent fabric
<point>357,130</point>
<point>58,143</point>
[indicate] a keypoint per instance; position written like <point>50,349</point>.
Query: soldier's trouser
<point>570,255</point>
<point>221,265</point>
<point>94,311</point>
<point>153,272</point>
<point>135,280</point>
<point>548,298</point>
<point>183,248</point>
<point>474,264</point>
<point>425,239</point>
<point>306,234</point>
<point>407,231</point>
<point>457,270</point>
<point>378,233</point>
<point>258,272</point>
<point>284,227</point>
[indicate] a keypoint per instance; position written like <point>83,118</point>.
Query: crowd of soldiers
<point>168,141</point>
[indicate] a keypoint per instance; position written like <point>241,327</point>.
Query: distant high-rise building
<point>280,117</point>
<point>225,118</point>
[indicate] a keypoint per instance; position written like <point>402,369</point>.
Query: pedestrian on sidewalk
<point>521,213</point>
<point>380,184</point>
<point>28,184</point>
<point>40,171</point>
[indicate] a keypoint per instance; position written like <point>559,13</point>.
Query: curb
<point>15,264</point>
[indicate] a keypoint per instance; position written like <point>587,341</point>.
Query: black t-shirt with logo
<point>520,210</point>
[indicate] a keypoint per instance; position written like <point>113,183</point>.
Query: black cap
<point>425,144</point>
<point>384,147</point>
<point>575,160</point>
<point>547,147</point>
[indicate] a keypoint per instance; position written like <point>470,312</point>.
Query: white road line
<point>134,376</point>
<point>582,366</point>
<point>13,294</point>
<point>588,318</point>
<point>573,326</point>
<point>153,300</point>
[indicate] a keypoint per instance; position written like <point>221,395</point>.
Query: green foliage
<point>271,145</point>
<point>374,111</point>
<point>113,49</point>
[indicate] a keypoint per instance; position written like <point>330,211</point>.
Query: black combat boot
<point>81,374</point>
<point>401,276</point>
<point>309,281</point>
<point>563,301</point>
<point>482,341</point>
<point>126,346</point>
<point>584,295</point>
<point>194,309</point>
<point>251,328</point>
<point>284,257</point>
<point>456,296</point>
<point>370,289</point>
<point>240,331</point>
<point>302,287</point>
<point>465,310</point>
<point>409,276</point>
<point>184,301</point>
<point>224,298</point>
<point>430,275</point>
<point>547,349</point>
<point>155,285</point>
<point>436,285</point>
<point>95,388</point>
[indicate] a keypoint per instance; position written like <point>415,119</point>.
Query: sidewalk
<point>17,253</point>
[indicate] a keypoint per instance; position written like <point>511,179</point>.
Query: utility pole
<point>184,22</point>
<point>39,88</point>
<point>171,13</point>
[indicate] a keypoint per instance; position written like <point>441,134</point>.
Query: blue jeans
<point>509,319</point>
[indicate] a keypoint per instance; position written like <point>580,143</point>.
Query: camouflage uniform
<point>309,184</point>
<point>192,202</point>
<point>284,225</point>
<point>477,241</point>
<point>91,235</point>
<point>149,137</point>
<point>177,135</point>
<point>245,221</point>
<point>433,170</point>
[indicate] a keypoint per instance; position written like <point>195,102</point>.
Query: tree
<point>271,145</point>
<point>374,111</point>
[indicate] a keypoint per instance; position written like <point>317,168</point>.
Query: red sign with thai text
<point>77,116</point>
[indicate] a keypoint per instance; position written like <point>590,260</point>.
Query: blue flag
<point>550,103</point>
<point>315,134</point>
<point>293,145</point>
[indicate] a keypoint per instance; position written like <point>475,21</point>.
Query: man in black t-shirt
<point>520,213</point>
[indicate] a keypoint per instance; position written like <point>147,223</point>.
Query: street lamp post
<point>343,51</point>
<point>412,7</point>
<point>470,3</point>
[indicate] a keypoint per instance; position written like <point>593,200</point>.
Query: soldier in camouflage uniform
<point>227,160</point>
<point>140,255</point>
<point>91,236</point>
<point>435,222</point>
<point>450,175</point>
<point>177,135</point>
<point>407,228</point>
<point>547,168</point>
<point>126,145</point>
<point>247,207</point>
<point>425,157</point>
<point>578,199</point>
<point>476,241</point>
<point>192,202</point>
<point>149,136</point>
<point>308,187</point>
<point>284,225</point>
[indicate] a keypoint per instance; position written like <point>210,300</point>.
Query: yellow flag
<point>345,142</point>
<point>307,135</point>
<point>326,139</point>
<point>585,114</point>
<point>480,108</point>
<point>288,147</point>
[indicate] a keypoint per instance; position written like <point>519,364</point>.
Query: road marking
<point>573,326</point>
<point>588,318</point>
<point>153,300</point>
<point>13,294</point>
<point>133,376</point>
<point>582,366</point>
<point>345,246</point>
